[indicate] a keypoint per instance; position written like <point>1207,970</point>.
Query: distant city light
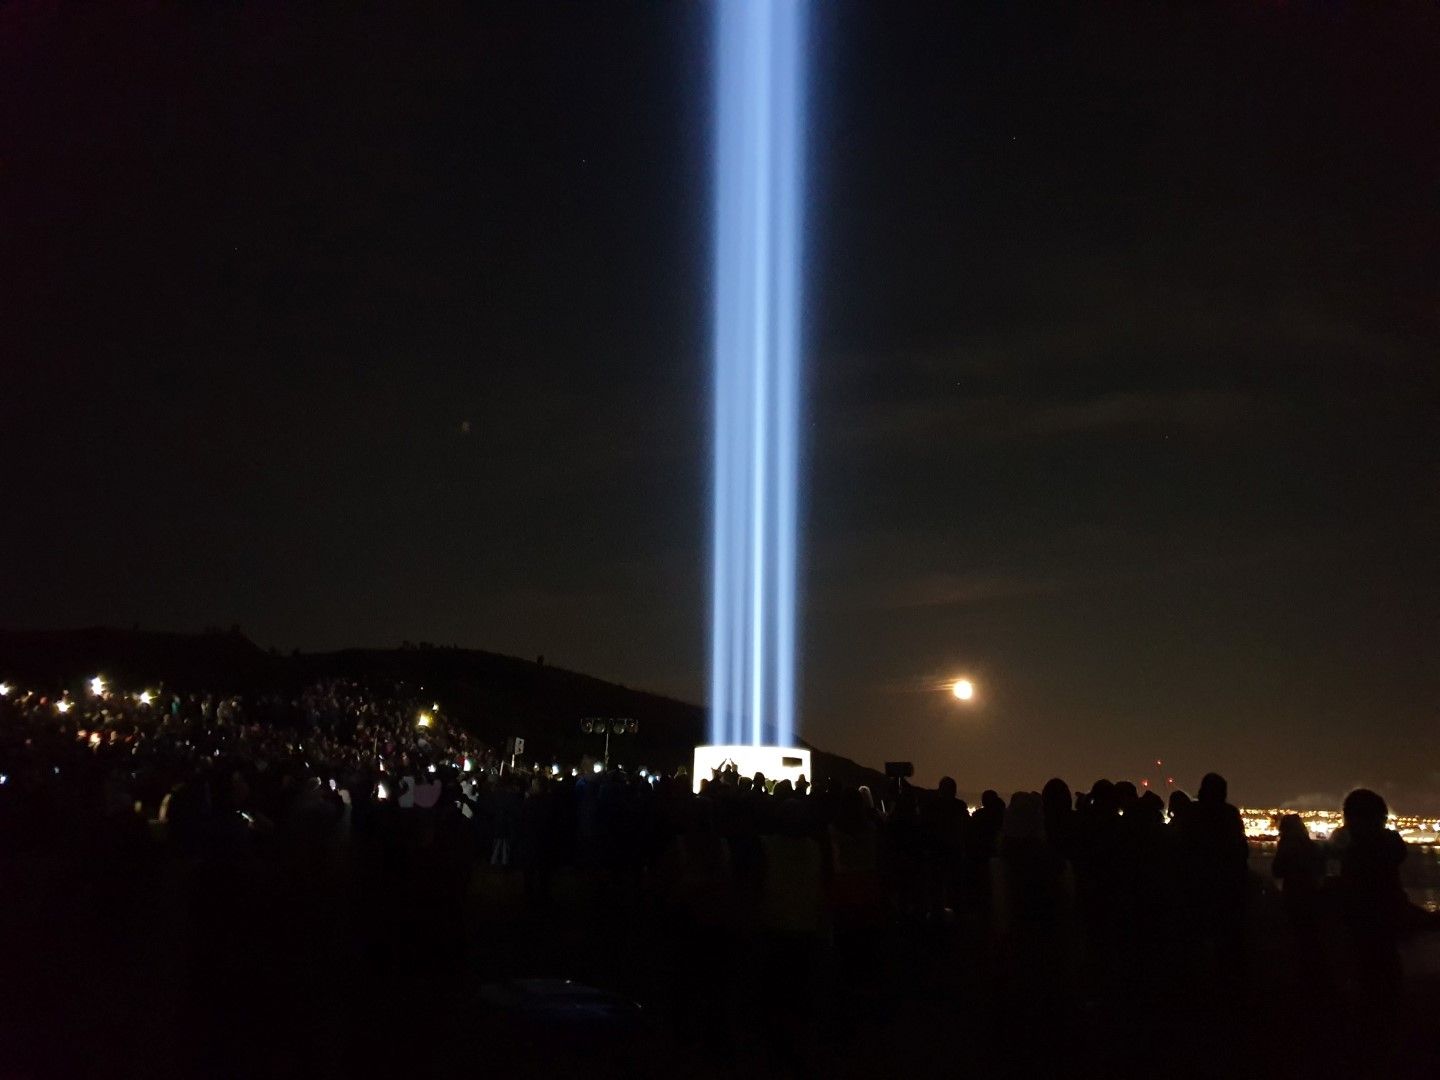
<point>599,768</point>
<point>425,719</point>
<point>5,689</point>
<point>63,705</point>
<point>97,685</point>
<point>146,697</point>
<point>963,689</point>
<point>1263,825</point>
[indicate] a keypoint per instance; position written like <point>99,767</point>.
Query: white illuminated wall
<point>770,760</point>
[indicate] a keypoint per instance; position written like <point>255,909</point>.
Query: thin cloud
<point>919,424</point>
<point>938,589</point>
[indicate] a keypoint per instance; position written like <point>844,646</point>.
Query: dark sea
<point>1420,873</point>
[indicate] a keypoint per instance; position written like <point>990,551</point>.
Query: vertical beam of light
<point>787,350</point>
<point>758,58</point>
<point>758,180</point>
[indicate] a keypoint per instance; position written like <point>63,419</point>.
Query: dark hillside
<point>493,695</point>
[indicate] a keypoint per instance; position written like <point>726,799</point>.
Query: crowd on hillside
<point>187,760</point>
<point>1053,876</point>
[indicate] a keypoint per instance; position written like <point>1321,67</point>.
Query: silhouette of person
<point>1151,809</point>
<point>1060,826</point>
<point>1214,857</point>
<point>1180,804</point>
<point>986,822</point>
<point>1372,900</point>
<point>1299,866</point>
<point>944,821</point>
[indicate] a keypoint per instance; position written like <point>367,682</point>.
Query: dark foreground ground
<point>332,962</point>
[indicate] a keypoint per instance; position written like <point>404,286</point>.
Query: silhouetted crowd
<point>208,767</point>
<point>1075,892</point>
<point>1106,886</point>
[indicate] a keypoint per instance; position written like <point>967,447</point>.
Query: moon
<point>963,689</point>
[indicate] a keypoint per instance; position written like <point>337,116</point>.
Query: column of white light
<point>760,52</point>
<point>753,586</point>
<point>722,614</point>
<point>788,110</point>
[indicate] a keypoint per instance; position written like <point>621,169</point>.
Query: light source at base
<point>776,762</point>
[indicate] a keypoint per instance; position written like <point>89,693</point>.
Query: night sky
<point>1122,343</point>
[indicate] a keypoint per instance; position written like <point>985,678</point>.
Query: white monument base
<point>776,762</point>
